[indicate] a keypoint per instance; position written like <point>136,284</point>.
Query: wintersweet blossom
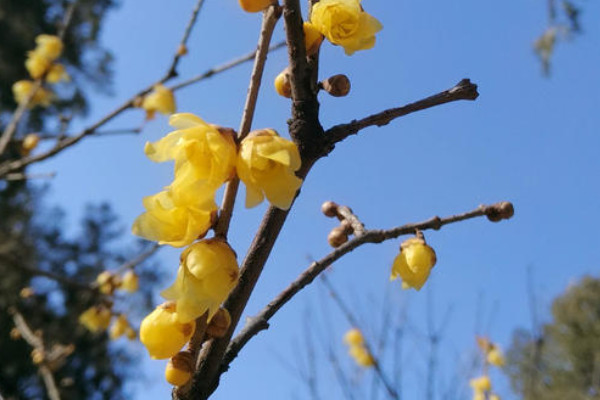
<point>119,327</point>
<point>354,337</point>
<point>312,38</point>
<point>344,23</point>
<point>495,357</point>
<point>37,64</point>
<point>204,157</point>
<point>266,164</point>
<point>361,356</point>
<point>414,263</point>
<point>95,318</point>
<point>255,5</point>
<point>481,384</point>
<point>49,46</point>
<point>176,224</point>
<point>57,73</point>
<point>22,90</point>
<point>160,99</point>
<point>130,282</point>
<point>162,334</point>
<point>208,272</point>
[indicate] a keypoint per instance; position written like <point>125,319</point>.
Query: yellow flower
<point>30,142</point>
<point>22,90</point>
<point>481,384</point>
<point>57,73</point>
<point>266,164</point>
<point>130,282</point>
<point>478,395</point>
<point>180,368</point>
<point>344,23</point>
<point>282,84</point>
<point>255,5</point>
<point>162,334</point>
<point>494,397</point>
<point>414,263</point>
<point>207,274</point>
<point>169,223</point>
<point>49,46</point>
<point>354,337</point>
<point>119,327</point>
<point>312,38</point>
<point>160,99</point>
<point>361,356</point>
<point>107,282</point>
<point>495,357</point>
<point>37,64</point>
<point>204,157</point>
<point>95,318</point>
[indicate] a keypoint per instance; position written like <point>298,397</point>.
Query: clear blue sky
<point>527,139</point>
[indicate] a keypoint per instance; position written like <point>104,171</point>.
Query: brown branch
<point>464,90</point>
<point>36,342</point>
<point>19,176</point>
<point>354,322</point>
<point>137,260</point>
<point>206,376</point>
<point>495,212</point>
<point>172,71</point>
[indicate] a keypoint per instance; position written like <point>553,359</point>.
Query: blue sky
<point>527,139</point>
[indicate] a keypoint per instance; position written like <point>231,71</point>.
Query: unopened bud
<point>37,356</point>
<point>329,208</point>
<point>180,368</point>
<point>137,102</point>
<point>282,84</point>
<point>337,85</point>
<point>15,334</point>
<point>347,227</point>
<point>30,142</point>
<point>182,50</point>
<point>500,211</point>
<point>337,237</point>
<point>26,292</point>
<point>219,324</point>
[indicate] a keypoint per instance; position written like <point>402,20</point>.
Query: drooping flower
<point>495,357</point>
<point>179,369</point>
<point>481,384</point>
<point>119,327</point>
<point>57,73</point>
<point>49,46</point>
<point>162,334</point>
<point>160,99</point>
<point>414,263</point>
<point>361,356</point>
<point>266,164</point>
<point>282,84</point>
<point>255,5</point>
<point>96,318</point>
<point>37,64</point>
<point>30,142</point>
<point>22,90</point>
<point>207,274</point>
<point>204,157</point>
<point>130,282</point>
<point>354,337</point>
<point>344,23</point>
<point>168,222</point>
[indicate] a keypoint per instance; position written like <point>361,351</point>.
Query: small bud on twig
<point>337,85</point>
<point>337,237</point>
<point>499,211</point>
<point>329,208</point>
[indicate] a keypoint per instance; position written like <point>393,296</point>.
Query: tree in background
<point>563,361</point>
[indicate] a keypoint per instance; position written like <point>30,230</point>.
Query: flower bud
<point>15,334</point>
<point>255,5</point>
<point>414,263</point>
<point>329,208</point>
<point>180,368</point>
<point>182,50</point>
<point>30,142</point>
<point>119,327</point>
<point>96,318</point>
<point>37,356</point>
<point>130,282</point>
<point>26,292</point>
<point>107,282</point>
<point>481,384</point>
<point>354,337</point>
<point>347,227</point>
<point>162,334</point>
<point>282,84</point>
<point>337,85</point>
<point>500,211</point>
<point>337,237</point>
<point>219,324</point>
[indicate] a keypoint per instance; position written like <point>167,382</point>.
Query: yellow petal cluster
<point>205,158</point>
<point>207,274</point>
<point>57,73</point>
<point>344,23</point>
<point>162,334</point>
<point>37,64</point>
<point>119,327</point>
<point>354,337</point>
<point>96,318</point>
<point>495,357</point>
<point>160,99</point>
<point>255,5</point>
<point>40,61</point>
<point>22,90</point>
<point>266,164</point>
<point>481,384</point>
<point>30,142</point>
<point>49,46</point>
<point>414,263</point>
<point>357,349</point>
<point>130,282</point>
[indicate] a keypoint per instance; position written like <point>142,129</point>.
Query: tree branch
<point>495,212</point>
<point>464,90</point>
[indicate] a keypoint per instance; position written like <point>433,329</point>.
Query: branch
<point>36,342</point>
<point>464,90</point>
<point>495,212</point>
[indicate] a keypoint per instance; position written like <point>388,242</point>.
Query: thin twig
<point>464,90</point>
<point>20,176</point>
<point>354,322</point>
<point>137,260</point>
<point>260,321</point>
<point>36,342</point>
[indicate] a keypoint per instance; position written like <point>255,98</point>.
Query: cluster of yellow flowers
<point>41,64</point>
<point>414,263</point>
<point>108,282</point>
<point>482,385</point>
<point>356,348</point>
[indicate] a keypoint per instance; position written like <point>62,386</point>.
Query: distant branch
<point>495,212</point>
<point>464,90</point>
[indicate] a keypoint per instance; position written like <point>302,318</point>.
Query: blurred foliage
<point>563,361</point>
<point>85,59</point>
<point>563,25</point>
